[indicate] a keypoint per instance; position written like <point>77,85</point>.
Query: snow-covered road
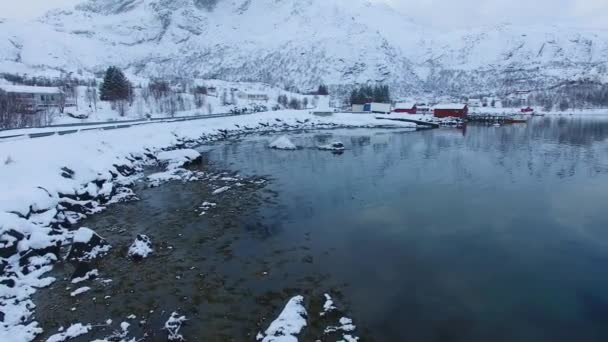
<point>75,128</point>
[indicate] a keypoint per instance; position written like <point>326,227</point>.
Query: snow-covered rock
<point>289,324</point>
<point>283,143</point>
<point>87,245</point>
<point>178,158</point>
<point>335,146</point>
<point>141,248</point>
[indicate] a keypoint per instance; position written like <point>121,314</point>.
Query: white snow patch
<point>73,331</point>
<point>80,291</point>
<point>221,190</point>
<point>83,235</point>
<point>328,306</point>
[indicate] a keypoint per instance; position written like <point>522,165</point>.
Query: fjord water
<point>483,234</point>
<point>476,234</point>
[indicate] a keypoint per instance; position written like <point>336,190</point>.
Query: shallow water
<point>481,234</point>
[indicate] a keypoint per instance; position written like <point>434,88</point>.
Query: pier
<point>495,119</point>
<point>417,122</point>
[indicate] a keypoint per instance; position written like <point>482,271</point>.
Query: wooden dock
<point>417,122</point>
<point>496,119</point>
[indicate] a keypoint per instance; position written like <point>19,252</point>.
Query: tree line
<point>367,93</point>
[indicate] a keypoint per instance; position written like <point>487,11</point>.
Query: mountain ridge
<point>300,44</point>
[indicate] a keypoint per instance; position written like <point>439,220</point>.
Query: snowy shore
<point>51,183</point>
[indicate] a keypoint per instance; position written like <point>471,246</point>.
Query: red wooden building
<point>409,108</point>
<point>454,110</point>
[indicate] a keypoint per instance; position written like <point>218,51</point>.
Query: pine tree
<point>322,90</point>
<point>115,86</point>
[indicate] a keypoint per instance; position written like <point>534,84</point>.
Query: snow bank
<point>283,143</point>
<point>289,324</point>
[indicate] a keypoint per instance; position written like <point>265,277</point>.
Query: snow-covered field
<point>50,183</point>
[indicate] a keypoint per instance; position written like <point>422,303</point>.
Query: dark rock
<point>99,183</point>
<point>8,282</point>
<point>67,173</point>
<point>3,265</point>
<point>82,268</point>
<point>70,204</point>
<point>8,246</point>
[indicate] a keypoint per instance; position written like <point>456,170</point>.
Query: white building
<point>31,99</point>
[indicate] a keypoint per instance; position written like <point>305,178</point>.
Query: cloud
<point>464,13</point>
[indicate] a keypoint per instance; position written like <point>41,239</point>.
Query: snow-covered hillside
<point>299,44</point>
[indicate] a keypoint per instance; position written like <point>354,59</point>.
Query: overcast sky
<point>444,13</point>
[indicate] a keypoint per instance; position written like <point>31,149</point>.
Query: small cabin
<point>454,110</point>
<point>408,108</point>
<point>32,99</point>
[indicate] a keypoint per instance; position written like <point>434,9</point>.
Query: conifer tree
<point>115,86</point>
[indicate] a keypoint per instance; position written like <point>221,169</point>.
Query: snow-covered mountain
<point>300,43</point>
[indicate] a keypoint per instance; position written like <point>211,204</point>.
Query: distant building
<point>252,97</point>
<point>378,108</point>
<point>409,108</point>
<point>475,103</point>
<point>30,99</point>
<point>357,108</point>
<point>455,110</point>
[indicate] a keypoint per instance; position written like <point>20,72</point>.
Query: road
<point>75,128</point>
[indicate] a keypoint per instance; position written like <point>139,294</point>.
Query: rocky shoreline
<point>33,240</point>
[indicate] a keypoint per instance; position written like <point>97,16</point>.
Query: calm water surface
<point>483,234</point>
